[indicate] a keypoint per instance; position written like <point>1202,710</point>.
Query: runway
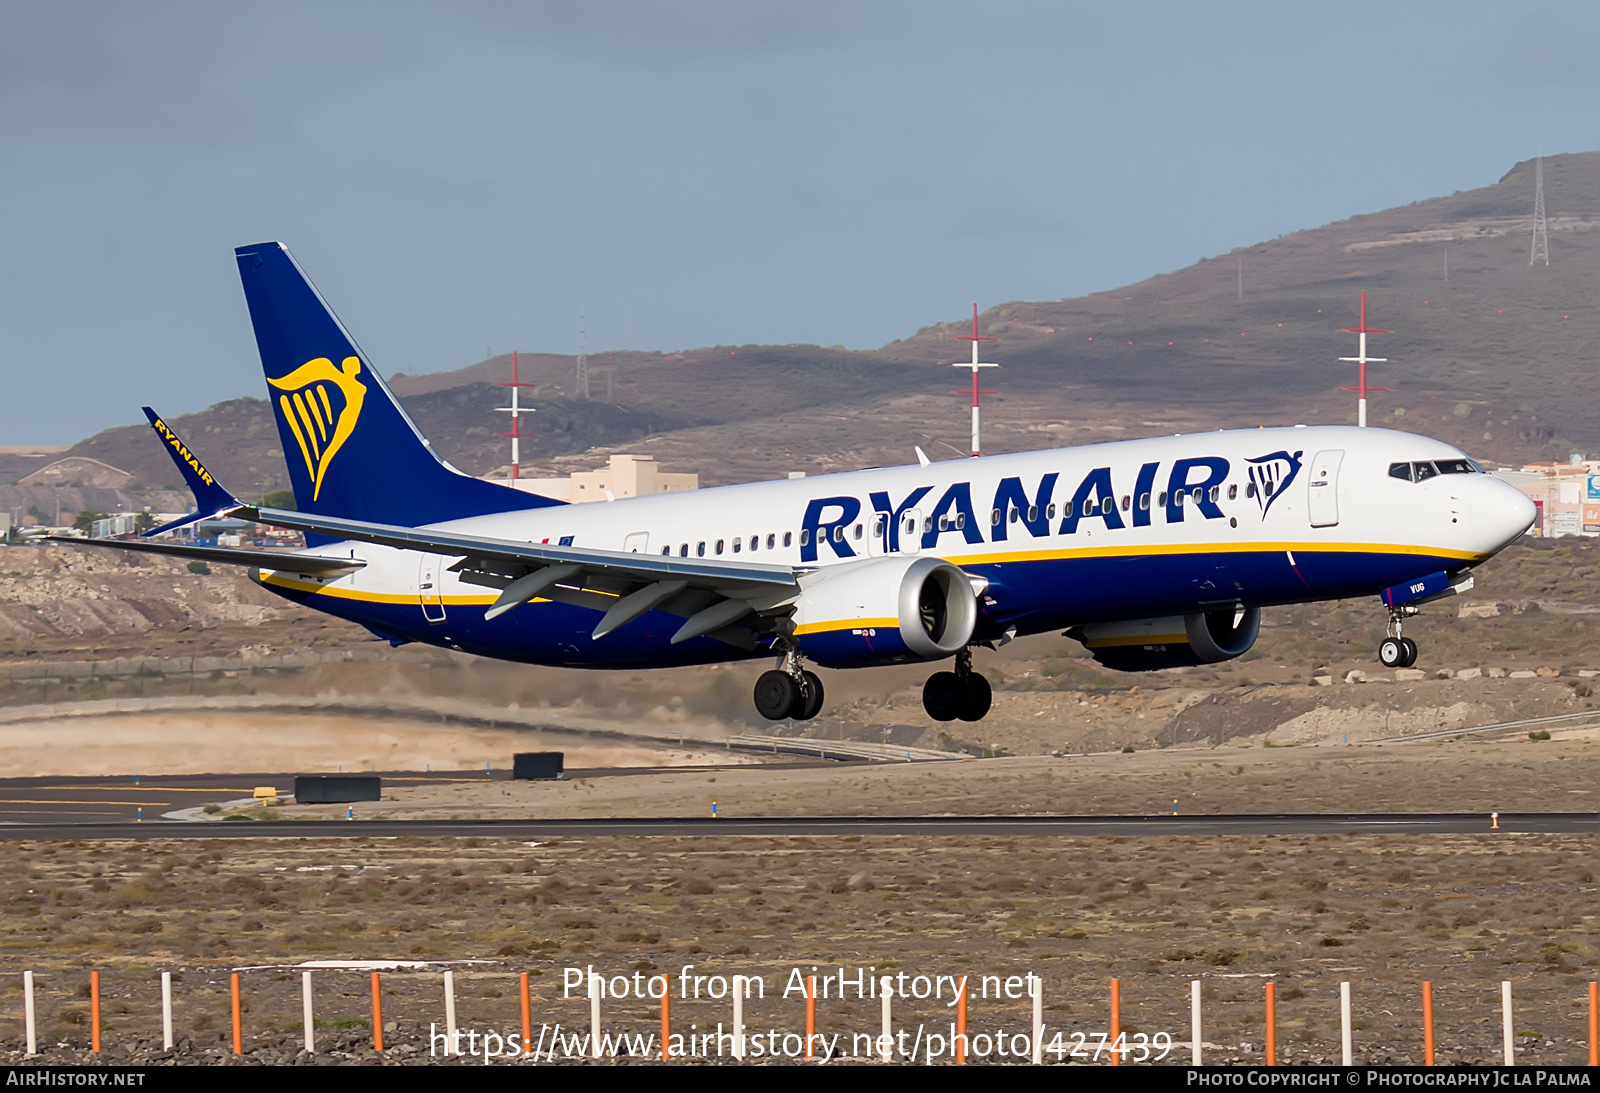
<point>811,826</point>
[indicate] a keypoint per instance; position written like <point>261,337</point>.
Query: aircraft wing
<point>716,598</point>
<point>282,561</point>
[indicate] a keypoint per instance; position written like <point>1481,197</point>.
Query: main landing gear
<point>962,693</point>
<point>789,691</point>
<point>1397,651</point>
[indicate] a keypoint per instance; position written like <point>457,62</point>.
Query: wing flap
<point>279,560</point>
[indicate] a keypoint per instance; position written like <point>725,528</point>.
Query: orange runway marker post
<point>1427,1023</point>
<point>94,1012</point>
<point>1116,1020</point>
<point>1594,1024</point>
<point>811,1016</point>
<point>1272,1024</point>
<point>377,1014</point>
<point>666,1019</point>
<point>238,1040</point>
<point>527,1014</point>
<point>961,1027</point>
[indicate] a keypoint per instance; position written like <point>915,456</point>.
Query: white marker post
<point>27,1012</point>
<point>738,1023</point>
<point>166,1010</point>
<point>1507,1029</point>
<point>1344,1025</point>
<point>1038,1021</point>
<point>1194,1022</point>
<point>886,1041</point>
<point>594,1016</point>
<point>450,1011</point>
<point>305,1010</point>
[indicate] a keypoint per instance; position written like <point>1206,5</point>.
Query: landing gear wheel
<point>808,703</point>
<point>978,698</point>
<point>776,695</point>
<point>1411,652</point>
<point>1392,653</point>
<point>943,696</point>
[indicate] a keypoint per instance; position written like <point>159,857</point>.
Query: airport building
<point>1567,495</point>
<point>626,476</point>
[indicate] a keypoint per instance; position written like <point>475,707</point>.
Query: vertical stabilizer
<point>351,449</point>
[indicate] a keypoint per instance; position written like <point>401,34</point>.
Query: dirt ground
<point>1381,912</point>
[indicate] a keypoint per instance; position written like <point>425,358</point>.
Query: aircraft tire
<point>1392,653</point>
<point>808,704</point>
<point>978,698</point>
<point>1411,652</point>
<point>776,695</point>
<point>943,697</point>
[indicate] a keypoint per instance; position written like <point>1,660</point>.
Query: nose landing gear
<point>962,693</point>
<point>1397,651</point>
<point>789,691</point>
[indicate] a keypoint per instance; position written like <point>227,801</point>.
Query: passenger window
<point>771,541</point>
<point>927,524</point>
<point>1233,490</point>
<point>666,552</point>
<point>961,520</point>
<point>911,525</point>
<point>1250,489</point>
<point>1216,494</point>
<point>1161,500</point>
<point>755,541</point>
<point>1107,505</point>
<point>1425,471</point>
<point>1033,513</point>
<point>1198,494</point>
<point>994,518</point>
<point>1050,511</point>
<point>1127,502</point>
<point>1177,498</point>
<point>858,531</point>
<point>683,551</point>
<point>736,543</point>
<point>700,550</point>
<point>1401,471</point>
<point>943,523</point>
<point>1144,502</point>
<point>805,537</point>
<point>838,533</point>
<point>788,537</point>
<point>878,524</point>
<point>1016,514</point>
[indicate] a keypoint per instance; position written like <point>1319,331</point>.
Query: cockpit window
<point>1424,470</point>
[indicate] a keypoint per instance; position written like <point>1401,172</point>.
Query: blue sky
<point>695,172</point>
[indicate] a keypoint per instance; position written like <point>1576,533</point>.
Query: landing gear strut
<point>789,691</point>
<point>1397,651</point>
<point>962,693</point>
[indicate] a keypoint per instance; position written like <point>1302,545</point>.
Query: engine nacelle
<point>884,611</point>
<point>1179,641</point>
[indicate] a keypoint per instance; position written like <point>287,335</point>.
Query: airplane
<point>1154,553</point>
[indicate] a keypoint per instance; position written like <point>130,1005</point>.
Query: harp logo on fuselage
<point>321,404</point>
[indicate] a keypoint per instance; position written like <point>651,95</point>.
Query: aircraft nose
<point>1500,512</point>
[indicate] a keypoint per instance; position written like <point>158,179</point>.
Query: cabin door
<point>910,537</point>
<point>430,593</point>
<point>1323,489</point>
<point>636,543</point>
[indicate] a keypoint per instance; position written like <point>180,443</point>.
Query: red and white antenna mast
<point>516,411</point>
<point>975,364</point>
<point>1363,360</point>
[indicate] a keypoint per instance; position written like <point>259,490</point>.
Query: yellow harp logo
<point>320,429</point>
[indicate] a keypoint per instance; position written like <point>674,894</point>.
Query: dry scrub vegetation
<point>1383,912</point>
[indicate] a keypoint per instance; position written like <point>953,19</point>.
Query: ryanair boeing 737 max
<point>1152,553</point>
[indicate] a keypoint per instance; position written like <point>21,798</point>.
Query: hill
<point>1495,358</point>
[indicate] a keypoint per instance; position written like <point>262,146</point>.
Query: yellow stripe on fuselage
<point>846,624</point>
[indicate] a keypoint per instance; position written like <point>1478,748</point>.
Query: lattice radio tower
<point>975,364</point>
<point>1541,241</point>
<point>516,411</point>
<point>581,388</point>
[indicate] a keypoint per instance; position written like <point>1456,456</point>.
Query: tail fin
<point>351,449</point>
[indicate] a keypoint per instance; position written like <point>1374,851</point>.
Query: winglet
<point>210,498</point>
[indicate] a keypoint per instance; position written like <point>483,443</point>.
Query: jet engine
<point>884,611</point>
<point>1178,641</point>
